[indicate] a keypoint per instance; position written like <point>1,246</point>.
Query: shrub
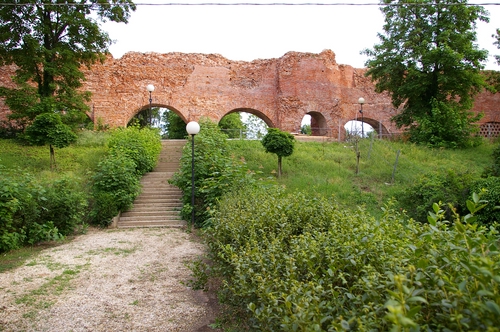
<point>143,146</point>
<point>114,188</point>
<point>299,263</point>
<point>65,204</point>
<point>34,210</point>
<point>490,214</point>
<point>494,169</point>
<point>216,172</point>
<point>449,188</point>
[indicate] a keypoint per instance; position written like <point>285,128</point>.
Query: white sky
<point>247,32</point>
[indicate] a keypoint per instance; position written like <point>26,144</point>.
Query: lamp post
<point>150,88</point>
<point>192,129</point>
<point>361,101</point>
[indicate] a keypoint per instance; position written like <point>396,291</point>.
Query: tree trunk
<point>52,157</point>
<point>279,167</point>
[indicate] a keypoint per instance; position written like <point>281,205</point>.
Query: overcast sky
<point>249,32</point>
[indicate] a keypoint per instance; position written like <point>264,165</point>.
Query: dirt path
<point>109,280</point>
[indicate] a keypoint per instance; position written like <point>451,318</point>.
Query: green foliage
<point>34,210</point>
<point>47,128</point>
<point>429,62</point>
<point>280,143</point>
<point>300,263</point>
<point>147,118</point>
<point>65,204</point>
<point>256,128</point>
<point>450,188</point>
<point>115,184</point>
<point>449,125</point>
<point>142,146</point>
<point>494,169</point>
<point>306,129</point>
<point>114,188</point>
<point>497,43</point>
<point>328,168</point>
<point>232,125</point>
<point>216,173</point>
<point>491,187</point>
<point>175,127</point>
<point>49,44</point>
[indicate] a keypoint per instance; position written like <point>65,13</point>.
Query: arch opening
<point>318,124</point>
<point>366,127</point>
<point>169,120</point>
<point>244,123</point>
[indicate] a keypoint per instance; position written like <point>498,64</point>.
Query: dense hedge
<point>300,263</point>
<point>143,146</point>
<point>38,209</point>
<point>115,184</point>
<point>216,173</point>
<point>448,187</point>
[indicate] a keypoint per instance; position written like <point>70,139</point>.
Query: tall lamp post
<point>192,129</point>
<point>150,88</point>
<point>361,101</point>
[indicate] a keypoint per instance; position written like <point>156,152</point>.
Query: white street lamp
<point>192,129</point>
<point>361,101</point>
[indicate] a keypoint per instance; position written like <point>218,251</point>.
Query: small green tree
<point>48,128</point>
<point>279,142</point>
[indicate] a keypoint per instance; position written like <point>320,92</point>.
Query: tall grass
<point>329,168</point>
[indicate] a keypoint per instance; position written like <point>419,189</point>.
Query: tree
<point>174,126</point>
<point>232,125</point>
<point>49,41</point>
<point>497,43</point>
<point>430,64</point>
<point>279,142</point>
<point>256,128</point>
<point>306,129</point>
<point>49,129</point>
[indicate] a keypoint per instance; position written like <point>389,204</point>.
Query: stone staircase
<point>159,203</point>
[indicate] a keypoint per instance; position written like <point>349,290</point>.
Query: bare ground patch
<point>109,280</point>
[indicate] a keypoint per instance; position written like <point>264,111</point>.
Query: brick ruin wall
<point>280,91</point>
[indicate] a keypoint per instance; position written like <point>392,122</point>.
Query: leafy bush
<point>34,210</point>
<point>299,263</point>
<point>65,204</point>
<point>114,188</point>
<point>449,188</point>
<point>216,172</point>
<point>490,214</point>
<point>143,146</point>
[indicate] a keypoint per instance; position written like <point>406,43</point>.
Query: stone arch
<point>159,105</point>
<point>490,129</point>
<point>255,112</point>
<point>319,124</point>
<point>377,126</point>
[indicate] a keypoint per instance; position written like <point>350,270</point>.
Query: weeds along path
<point>109,280</point>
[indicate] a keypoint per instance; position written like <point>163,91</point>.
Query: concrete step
<point>152,214</point>
<point>145,224</point>
<point>159,203</point>
<point>150,219</point>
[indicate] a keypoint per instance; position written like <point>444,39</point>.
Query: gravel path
<point>108,280</point>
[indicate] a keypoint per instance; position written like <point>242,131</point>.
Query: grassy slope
<point>76,158</point>
<point>329,168</point>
